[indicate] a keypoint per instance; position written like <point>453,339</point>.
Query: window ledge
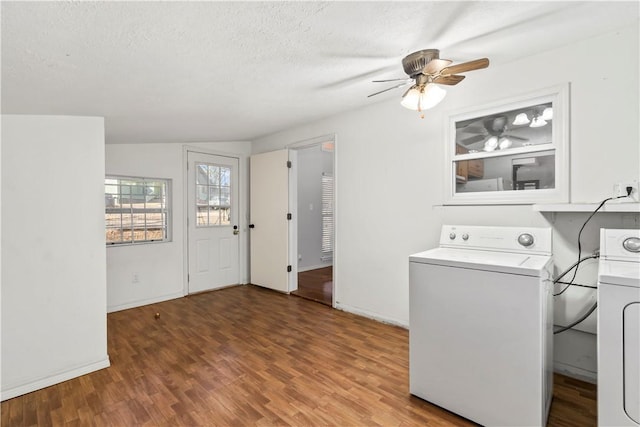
<point>588,207</point>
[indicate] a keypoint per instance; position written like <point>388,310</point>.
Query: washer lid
<point>622,273</point>
<point>501,262</point>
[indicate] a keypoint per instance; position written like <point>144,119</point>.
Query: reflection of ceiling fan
<point>492,134</point>
<point>428,71</point>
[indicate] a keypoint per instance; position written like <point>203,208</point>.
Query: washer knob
<point>525,239</point>
<point>632,244</point>
<point>465,237</point>
<point>452,235</point>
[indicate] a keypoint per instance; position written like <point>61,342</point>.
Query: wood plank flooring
<point>316,285</point>
<point>249,356</point>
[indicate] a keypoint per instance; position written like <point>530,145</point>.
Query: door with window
<point>212,224</point>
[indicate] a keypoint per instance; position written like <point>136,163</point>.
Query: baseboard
<point>575,372</point>
<point>373,316</point>
<point>140,303</point>
<point>314,267</point>
<point>53,379</point>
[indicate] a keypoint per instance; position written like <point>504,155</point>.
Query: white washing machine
<point>619,328</point>
<point>481,324</point>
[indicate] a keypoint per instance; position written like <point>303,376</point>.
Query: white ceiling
<point>226,71</point>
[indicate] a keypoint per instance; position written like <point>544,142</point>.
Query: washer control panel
<point>508,239</point>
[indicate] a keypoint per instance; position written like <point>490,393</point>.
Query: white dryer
<point>619,328</point>
<point>481,324</point>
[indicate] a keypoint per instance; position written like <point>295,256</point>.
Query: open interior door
<point>269,224</point>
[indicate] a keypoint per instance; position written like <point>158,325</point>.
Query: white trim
<point>313,141</point>
<point>50,380</point>
<point>142,302</point>
<point>314,267</point>
<point>575,372</point>
<point>293,201</point>
<point>335,221</point>
<point>371,315</point>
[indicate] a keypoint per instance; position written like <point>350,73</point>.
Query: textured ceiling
<point>220,71</point>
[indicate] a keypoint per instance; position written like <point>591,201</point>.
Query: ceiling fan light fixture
<point>521,119</point>
<point>538,122</point>
<point>433,95</point>
<point>504,143</point>
<point>423,97</point>
<point>547,114</point>
<point>411,99</point>
<point>491,144</point>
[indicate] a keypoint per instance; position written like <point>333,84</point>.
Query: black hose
<point>564,328</point>
<point>575,265</point>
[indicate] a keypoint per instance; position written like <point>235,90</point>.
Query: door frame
<point>242,213</point>
<point>293,208</point>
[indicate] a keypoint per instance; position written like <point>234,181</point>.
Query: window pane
<point>113,235</point>
<point>201,174</point>
<point>214,196</point>
<point>507,130</point>
<point>225,176</point>
<point>202,195</point>
<point>202,215</point>
<point>225,196</point>
<point>225,217</point>
<point>214,175</point>
<point>532,171</point>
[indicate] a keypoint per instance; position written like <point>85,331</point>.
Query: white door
<point>212,197</point>
<point>269,226</point>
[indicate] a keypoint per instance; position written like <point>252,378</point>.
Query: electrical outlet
<point>620,189</point>
<point>135,277</point>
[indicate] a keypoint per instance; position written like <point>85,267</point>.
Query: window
<point>136,210</point>
<point>510,152</point>
<point>213,195</point>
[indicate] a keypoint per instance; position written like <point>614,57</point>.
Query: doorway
<point>212,222</point>
<point>313,200</point>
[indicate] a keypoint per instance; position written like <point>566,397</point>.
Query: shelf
<point>587,207</point>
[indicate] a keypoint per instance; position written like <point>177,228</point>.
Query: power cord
<point>580,260</point>
<point>575,266</point>
<point>587,314</point>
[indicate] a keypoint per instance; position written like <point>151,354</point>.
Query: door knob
<point>235,229</point>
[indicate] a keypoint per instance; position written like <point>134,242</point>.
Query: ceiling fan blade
<point>390,80</point>
<point>465,66</point>
<point>392,87</point>
<point>472,139</point>
<point>435,65</point>
<point>473,129</point>
<point>449,80</point>
<point>516,137</point>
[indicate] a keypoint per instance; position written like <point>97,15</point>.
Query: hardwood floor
<point>249,356</point>
<point>316,285</point>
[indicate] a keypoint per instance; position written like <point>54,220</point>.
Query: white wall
<point>386,149</point>
<point>312,163</point>
<point>53,255</point>
<point>160,266</point>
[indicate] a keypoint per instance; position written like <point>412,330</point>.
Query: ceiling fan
<point>428,71</point>
<point>491,135</point>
